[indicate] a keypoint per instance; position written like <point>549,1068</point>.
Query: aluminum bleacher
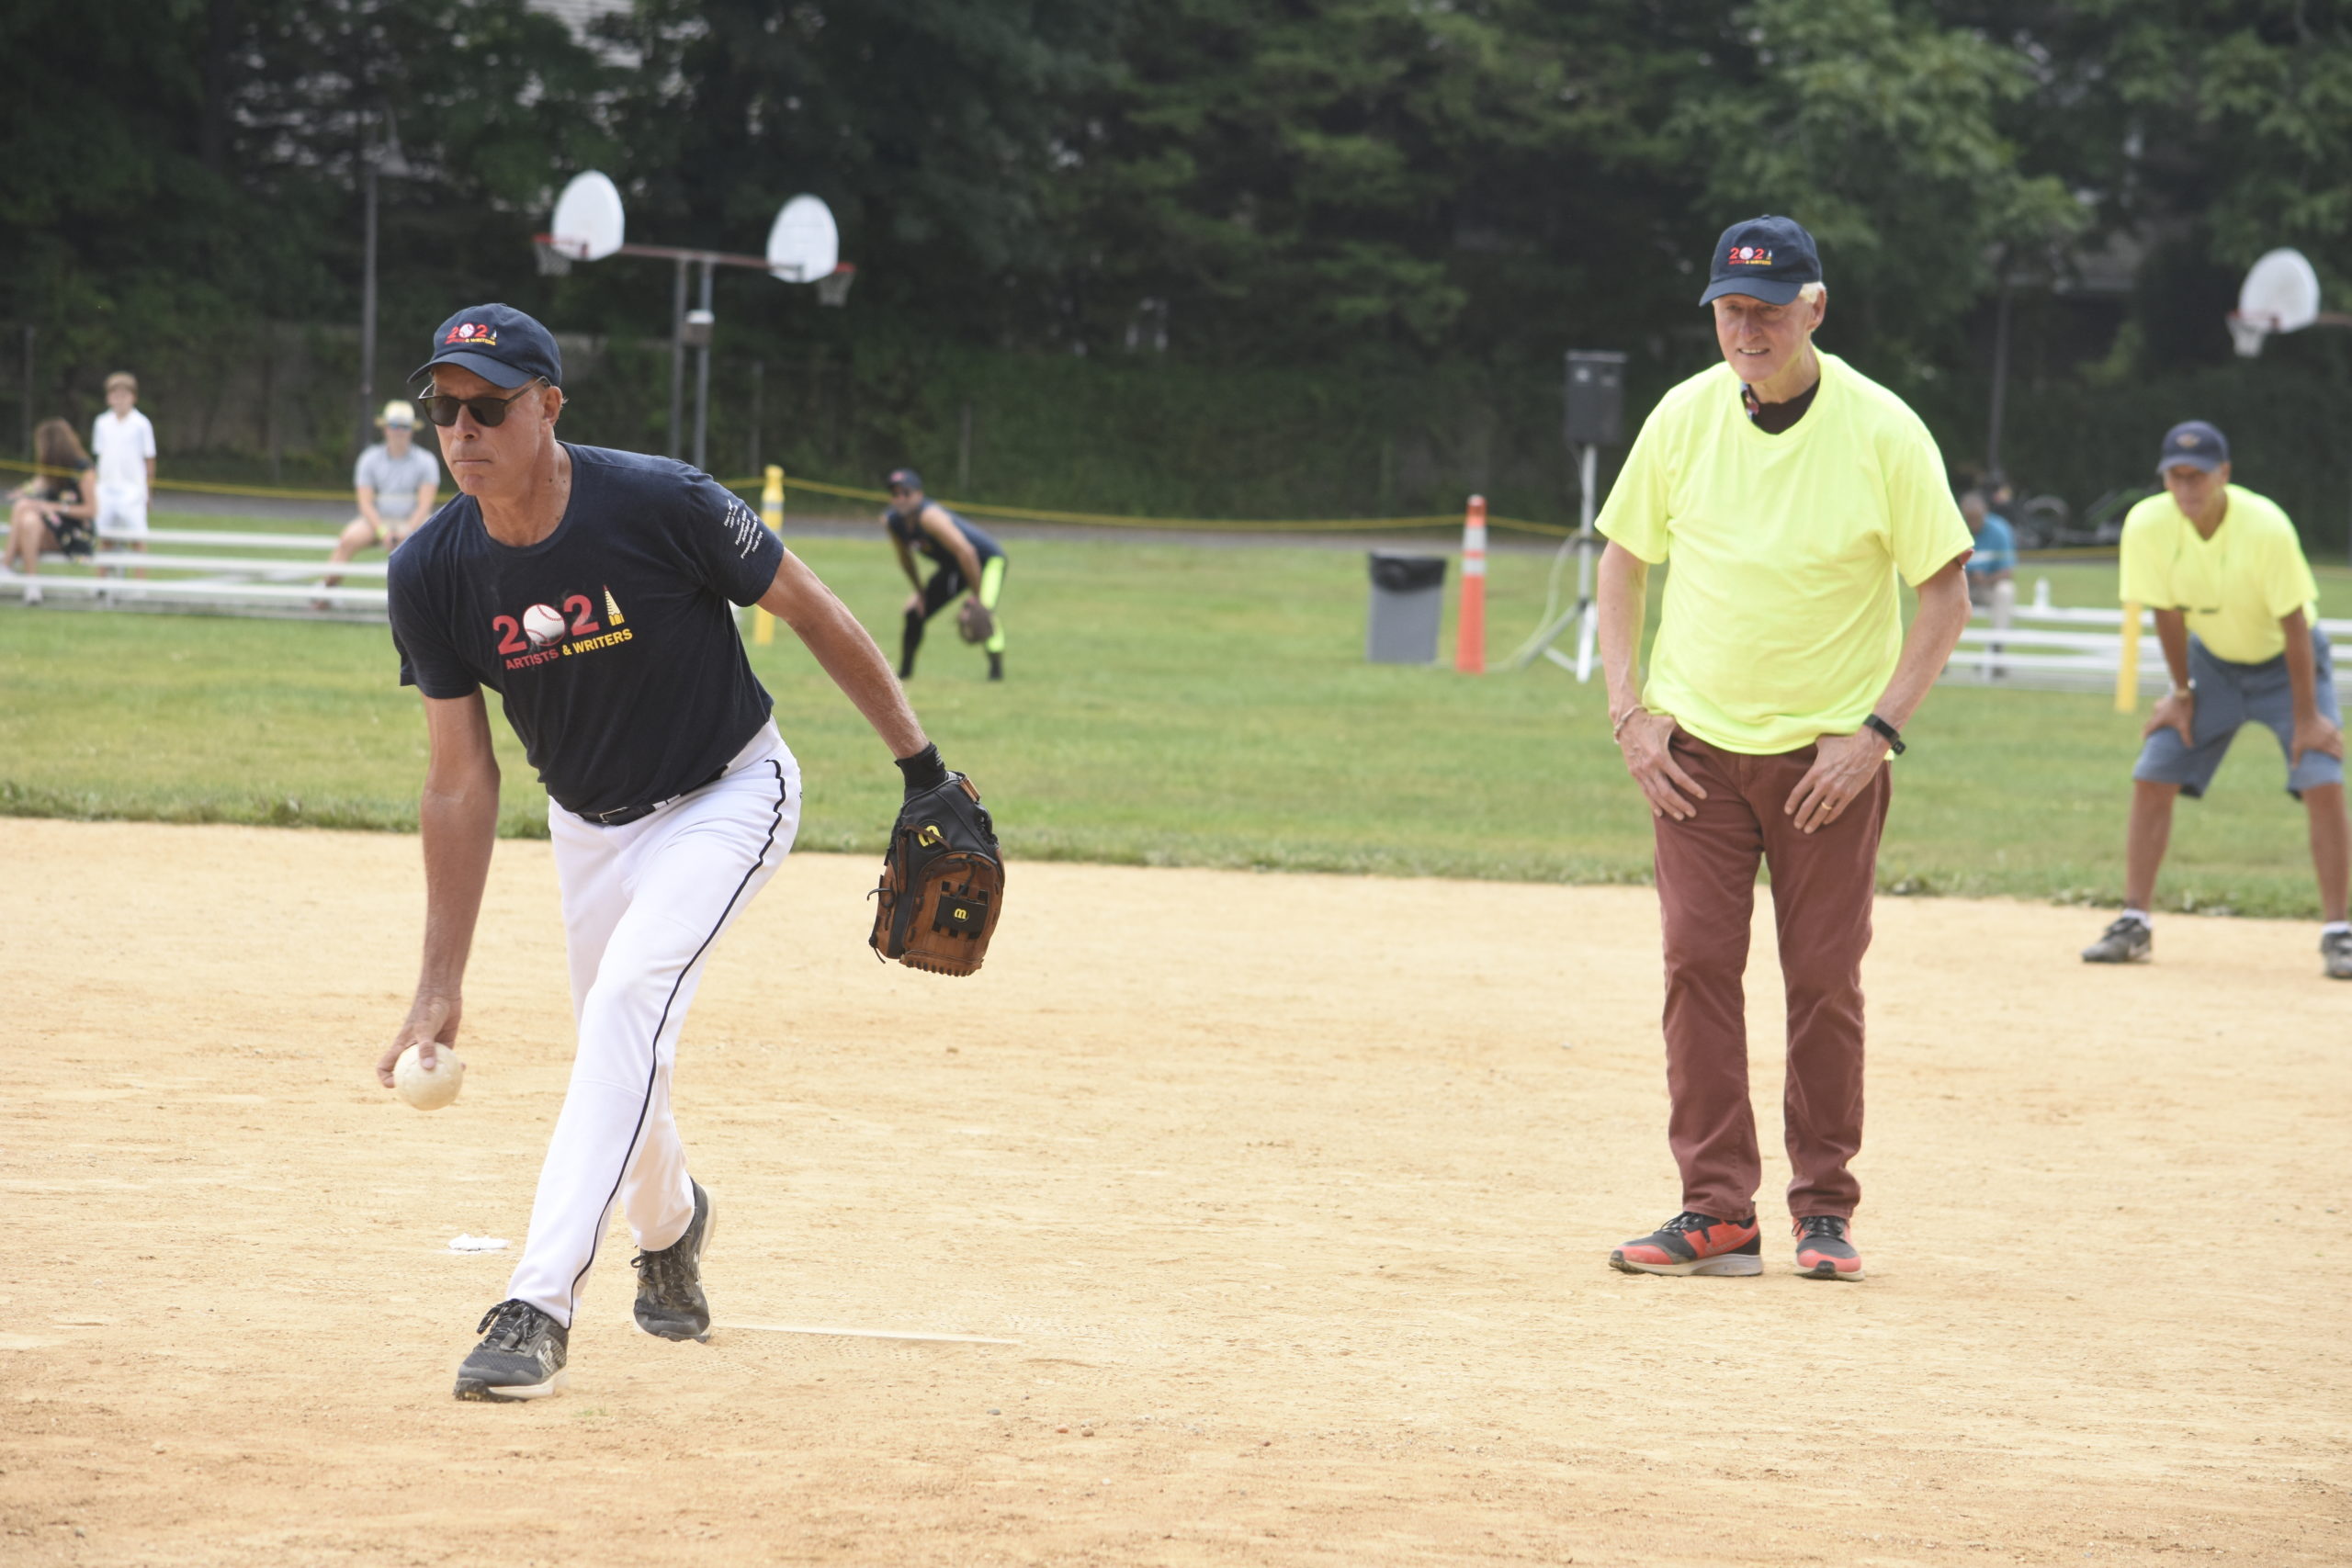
<point>2054,650</point>
<point>203,571</point>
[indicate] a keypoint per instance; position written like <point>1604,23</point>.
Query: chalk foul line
<point>868,1333</point>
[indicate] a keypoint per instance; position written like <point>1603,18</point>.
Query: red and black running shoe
<point>1694,1244</point>
<point>1823,1250</point>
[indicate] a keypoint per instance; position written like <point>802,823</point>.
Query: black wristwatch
<point>1887,732</point>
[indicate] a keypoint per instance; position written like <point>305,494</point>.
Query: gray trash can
<point>1408,600</point>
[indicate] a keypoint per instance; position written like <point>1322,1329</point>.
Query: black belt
<point>623,816</point>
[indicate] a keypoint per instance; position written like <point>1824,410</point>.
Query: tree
<point>98,190</point>
<point>2256,97</point>
<point>178,171</point>
<point>1376,176</point>
<point>933,128</point>
<point>487,103</point>
<point>1879,129</point>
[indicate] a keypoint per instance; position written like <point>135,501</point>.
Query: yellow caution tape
<point>200,488</point>
<point>197,486</point>
<point>1017,513</point>
<point>1109,520</point>
<point>34,468</point>
<point>1042,514</point>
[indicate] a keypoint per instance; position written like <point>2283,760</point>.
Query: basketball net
<point>2246,333</point>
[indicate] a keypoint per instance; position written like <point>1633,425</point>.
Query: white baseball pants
<point>643,904</point>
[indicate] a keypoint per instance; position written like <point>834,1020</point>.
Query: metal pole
<point>2000,376</point>
<point>759,393</point>
<point>1588,631</point>
<point>678,364</point>
<point>367,306</point>
<point>702,376</point>
<point>269,398</point>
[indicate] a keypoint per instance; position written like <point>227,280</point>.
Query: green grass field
<point>1169,705</point>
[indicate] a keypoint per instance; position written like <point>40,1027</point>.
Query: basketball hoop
<point>2246,334</point>
<point>804,246</point>
<point>2281,295</point>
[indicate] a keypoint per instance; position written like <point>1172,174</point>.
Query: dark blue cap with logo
<point>1766,258</point>
<point>497,342</point>
<point>903,479</point>
<point>2196,444</point>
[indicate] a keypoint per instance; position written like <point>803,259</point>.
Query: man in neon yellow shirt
<point>2237,615</point>
<point>1789,491</point>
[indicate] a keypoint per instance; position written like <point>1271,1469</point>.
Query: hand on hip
<point>1843,767</point>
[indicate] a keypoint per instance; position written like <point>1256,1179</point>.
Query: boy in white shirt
<point>123,442</point>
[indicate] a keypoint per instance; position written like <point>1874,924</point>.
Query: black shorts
<point>74,535</point>
<point>945,584</point>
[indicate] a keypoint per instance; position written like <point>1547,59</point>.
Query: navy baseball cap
<point>902,479</point>
<point>497,342</point>
<point>2196,444</point>
<point>1767,258</point>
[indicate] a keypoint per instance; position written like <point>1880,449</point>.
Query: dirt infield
<point>1291,1193</point>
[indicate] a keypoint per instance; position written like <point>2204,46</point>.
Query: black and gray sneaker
<point>2336,954</point>
<point>520,1357</point>
<point>2125,942</point>
<point>670,1303</point>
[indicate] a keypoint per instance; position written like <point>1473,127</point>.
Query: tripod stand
<point>1583,542</point>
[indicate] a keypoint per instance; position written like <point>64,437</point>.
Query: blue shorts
<point>2230,696</point>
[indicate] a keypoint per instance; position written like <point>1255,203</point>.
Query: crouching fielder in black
<point>966,561</point>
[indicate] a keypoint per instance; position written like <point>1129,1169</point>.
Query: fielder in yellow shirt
<point>2237,613</point>
<point>1787,493</point>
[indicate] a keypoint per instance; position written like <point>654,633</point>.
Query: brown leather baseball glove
<point>974,622</point>
<point>942,882</point>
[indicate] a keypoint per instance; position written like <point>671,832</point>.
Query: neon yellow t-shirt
<point>1781,620</point>
<point>2234,587</point>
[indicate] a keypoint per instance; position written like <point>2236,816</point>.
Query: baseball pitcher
<point>594,591</point>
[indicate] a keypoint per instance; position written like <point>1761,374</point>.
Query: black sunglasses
<point>443,408</point>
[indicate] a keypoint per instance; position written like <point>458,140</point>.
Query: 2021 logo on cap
<point>1749,256</point>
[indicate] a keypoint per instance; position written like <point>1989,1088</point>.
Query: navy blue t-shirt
<point>611,640</point>
<point>909,529</point>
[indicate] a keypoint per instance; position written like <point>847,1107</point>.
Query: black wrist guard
<point>1886,732</point>
<point>923,771</point>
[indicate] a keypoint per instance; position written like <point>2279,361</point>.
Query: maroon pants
<point>1822,887</point>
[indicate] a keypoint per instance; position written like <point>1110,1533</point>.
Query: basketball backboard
<point>588,220</point>
<point>2281,295</point>
<point>804,245</point>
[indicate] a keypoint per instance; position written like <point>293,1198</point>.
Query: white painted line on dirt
<point>477,1244</point>
<point>869,1334</point>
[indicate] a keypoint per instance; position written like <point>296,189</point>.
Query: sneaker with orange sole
<point>1694,1244</point>
<point>1823,1251</point>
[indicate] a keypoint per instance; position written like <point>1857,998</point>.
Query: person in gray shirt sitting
<point>396,480</point>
